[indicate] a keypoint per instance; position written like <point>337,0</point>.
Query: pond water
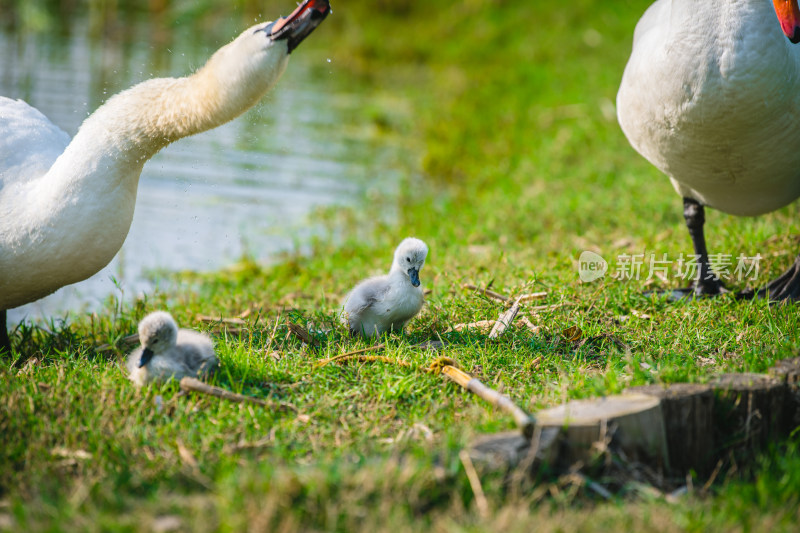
<point>248,187</point>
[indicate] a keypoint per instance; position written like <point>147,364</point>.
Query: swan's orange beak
<point>789,17</point>
<point>300,23</point>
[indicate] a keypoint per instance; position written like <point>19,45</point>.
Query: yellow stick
<point>525,422</point>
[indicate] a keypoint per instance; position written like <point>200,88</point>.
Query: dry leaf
<point>302,333</point>
<point>572,333</point>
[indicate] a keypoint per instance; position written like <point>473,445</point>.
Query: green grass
<point>501,114</point>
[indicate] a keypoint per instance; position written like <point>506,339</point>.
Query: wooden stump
<point>688,411</point>
<point>788,371</point>
<point>750,410</point>
<point>631,423</point>
<point>510,450</point>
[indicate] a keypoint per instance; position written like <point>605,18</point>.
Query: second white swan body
<point>711,96</point>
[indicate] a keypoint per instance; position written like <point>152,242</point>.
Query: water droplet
<point>329,60</point>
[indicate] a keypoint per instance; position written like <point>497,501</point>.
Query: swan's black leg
<point>706,283</point>
<point>5,342</point>
<point>785,287</point>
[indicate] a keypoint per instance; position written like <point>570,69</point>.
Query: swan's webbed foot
<point>784,288</point>
<point>707,284</point>
<point>698,289</point>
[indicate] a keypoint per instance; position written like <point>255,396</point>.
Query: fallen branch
<point>195,385</point>
<point>345,356</point>
<point>356,354</point>
<point>528,324</point>
<point>475,482</point>
<point>525,298</point>
<point>480,324</point>
<point>504,320</point>
<point>266,442</point>
<point>220,320</point>
<point>546,307</point>
<point>525,422</point>
<point>486,292</point>
<point>302,333</point>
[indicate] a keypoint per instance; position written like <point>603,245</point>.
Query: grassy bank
<point>514,164</point>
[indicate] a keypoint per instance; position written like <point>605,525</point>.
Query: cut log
<point>788,371</point>
<point>507,451</point>
<point>630,423</point>
<point>688,410</point>
<point>750,410</point>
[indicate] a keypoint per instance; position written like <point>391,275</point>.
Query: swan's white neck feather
<point>710,96</point>
<point>63,226</point>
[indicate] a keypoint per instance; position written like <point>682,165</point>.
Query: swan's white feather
<point>29,145</point>
<point>711,96</point>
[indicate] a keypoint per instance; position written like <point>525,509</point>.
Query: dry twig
<point>475,483</point>
<point>195,385</point>
<point>486,292</point>
<point>525,422</point>
<point>504,320</point>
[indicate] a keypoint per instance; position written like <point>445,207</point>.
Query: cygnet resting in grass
<point>386,303</point>
<point>168,352</point>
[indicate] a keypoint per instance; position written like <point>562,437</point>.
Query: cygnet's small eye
<point>408,259</point>
<point>155,341</point>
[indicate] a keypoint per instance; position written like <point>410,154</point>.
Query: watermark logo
<point>591,266</point>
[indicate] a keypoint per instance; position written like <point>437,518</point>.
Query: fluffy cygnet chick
<point>168,352</point>
<point>386,303</point>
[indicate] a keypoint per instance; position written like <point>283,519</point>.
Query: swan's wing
<point>365,295</point>
<point>29,142</point>
<point>196,351</point>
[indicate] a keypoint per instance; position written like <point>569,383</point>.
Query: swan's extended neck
<point>135,124</point>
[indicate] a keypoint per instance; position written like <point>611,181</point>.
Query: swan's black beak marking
<point>413,273</point>
<point>300,23</point>
<point>147,354</point>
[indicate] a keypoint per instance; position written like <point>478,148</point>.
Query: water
<point>247,187</point>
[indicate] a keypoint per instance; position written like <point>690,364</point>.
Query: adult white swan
<point>711,96</point>
<point>66,207</point>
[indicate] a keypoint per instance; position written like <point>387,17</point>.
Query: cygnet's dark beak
<point>147,354</point>
<point>413,273</point>
<point>300,23</point>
